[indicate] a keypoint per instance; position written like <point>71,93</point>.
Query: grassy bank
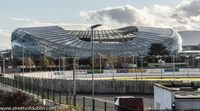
<point>22,100</point>
<point>17,99</point>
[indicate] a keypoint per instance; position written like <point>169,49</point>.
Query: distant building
<point>6,54</point>
<point>192,53</point>
<point>55,41</point>
<point>190,37</point>
<point>190,44</point>
<point>5,58</point>
<point>190,40</point>
<point>176,96</point>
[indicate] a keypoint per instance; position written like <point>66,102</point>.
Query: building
<point>190,44</point>
<point>176,96</point>
<point>55,41</point>
<point>190,40</point>
<point>5,57</point>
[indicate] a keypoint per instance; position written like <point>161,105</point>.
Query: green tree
<point>158,49</point>
<point>44,62</point>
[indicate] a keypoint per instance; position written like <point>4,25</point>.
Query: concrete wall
<point>101,86</point>
<point>162,98</point>
<point>109,73</point>
<point>187,104</point>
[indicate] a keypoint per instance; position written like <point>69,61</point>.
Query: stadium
<point>55,41</point>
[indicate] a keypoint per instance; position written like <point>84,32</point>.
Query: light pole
<point>199,64</point>
<point>141,59</point>
<point>159,58</point>
<point>3,65</point>
<point>133,65</point>
<point>136,66</point>
<point>187,66</point>
<point>31,62</point>
<point>161,65</point>
<point>93,27</point>
<point>23,57</point>
<point>63,64</point>
<point>173,66</point>
<point>59,64</point>
<point>23,63</point>
<point>100,65</point>
<point>74,81</point>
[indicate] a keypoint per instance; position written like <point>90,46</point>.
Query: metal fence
<point>44,93</point>
<point>89,104</point>
<point>83,103</point>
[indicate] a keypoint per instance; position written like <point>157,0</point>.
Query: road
<point>109,99</point>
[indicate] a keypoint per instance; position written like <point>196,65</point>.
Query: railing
<point>83,103</point>
<point>89,104</point>
<point>43,93</point>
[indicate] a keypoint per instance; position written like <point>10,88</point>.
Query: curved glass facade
<point>56,42</point>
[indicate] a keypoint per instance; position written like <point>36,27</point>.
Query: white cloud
<point>189,7</point>
<point>185,16</point>
<point>28,22</point>
<point>5,39</point>
<point>23,19</point>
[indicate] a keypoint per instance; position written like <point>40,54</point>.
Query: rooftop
<point>182,90</point>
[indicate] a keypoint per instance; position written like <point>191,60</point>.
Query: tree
<point>52,63</point>
<point>29,63</point>
<point>17,99</point>
<point>96,60</point>
<point>158,49</point>
<point>124,61</point>
<point>65,63</point>
<point>111,61</point>
<point>44,62</point>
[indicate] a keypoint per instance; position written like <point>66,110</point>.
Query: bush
<point>15,99</point>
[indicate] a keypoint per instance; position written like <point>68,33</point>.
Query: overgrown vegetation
<point>17,99</point>
<point>68,109</point>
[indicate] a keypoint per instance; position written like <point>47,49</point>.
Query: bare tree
<point>52,63</point>
<point>29,63</point>
<point>111,61</point>
<point>96,60</point>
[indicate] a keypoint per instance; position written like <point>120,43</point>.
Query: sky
<point>177,14</point>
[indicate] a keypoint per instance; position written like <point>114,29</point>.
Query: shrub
<point>14,99</point>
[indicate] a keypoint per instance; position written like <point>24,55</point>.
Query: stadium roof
<point>129,40</point>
